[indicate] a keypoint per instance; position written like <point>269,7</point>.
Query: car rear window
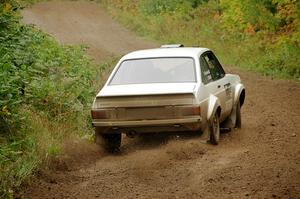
<point>155,70</point>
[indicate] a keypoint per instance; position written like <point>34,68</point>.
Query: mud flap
<point>213,104</point>
<point>205,136</point>
<point>229,123</point>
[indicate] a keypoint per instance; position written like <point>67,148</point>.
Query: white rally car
<point>168,89</point>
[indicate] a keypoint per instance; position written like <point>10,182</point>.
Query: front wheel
<point>214,129</point>
<point>110,142</point>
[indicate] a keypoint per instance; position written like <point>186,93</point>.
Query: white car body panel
<point>222,93</point>
<point>147,89</point>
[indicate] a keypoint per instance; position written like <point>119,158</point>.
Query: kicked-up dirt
<point>261,160</point>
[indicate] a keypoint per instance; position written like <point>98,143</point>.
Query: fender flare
<point>213,104</point>
<point>230,121</point>
<point>239,88</point>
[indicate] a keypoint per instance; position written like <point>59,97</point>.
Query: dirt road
<point>84,23</point>
<point>262,160</point>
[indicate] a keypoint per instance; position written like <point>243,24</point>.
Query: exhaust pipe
<point>177,125</point>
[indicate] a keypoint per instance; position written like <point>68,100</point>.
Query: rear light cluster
<point>190,110</point>
<point>101,114</point>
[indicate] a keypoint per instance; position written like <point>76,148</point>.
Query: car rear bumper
<point>149,126</point>
<point>139,123</point>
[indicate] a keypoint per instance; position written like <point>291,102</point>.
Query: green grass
<point>266,50</point>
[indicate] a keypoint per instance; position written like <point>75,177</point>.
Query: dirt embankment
<point>262,160</point>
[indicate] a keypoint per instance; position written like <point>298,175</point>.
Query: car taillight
<point>99,114</point>
<point>193,110</point>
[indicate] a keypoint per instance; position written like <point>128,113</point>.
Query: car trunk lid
<point>147,89</point>
<point>145,102</point>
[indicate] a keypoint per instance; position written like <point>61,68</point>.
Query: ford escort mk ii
<point>168,89</point>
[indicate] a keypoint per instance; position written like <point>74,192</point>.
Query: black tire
<point>238,121</point>
<point>214,129</point>
<point>110,142</point>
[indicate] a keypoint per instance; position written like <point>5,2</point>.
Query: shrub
<point>46,90</point>
<point>36,70</point>
<point>259,35</point>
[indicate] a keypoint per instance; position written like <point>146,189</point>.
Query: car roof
<point>166,52</point>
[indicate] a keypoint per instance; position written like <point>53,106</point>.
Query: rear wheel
<point>110,142</point>
<point>214,129</point>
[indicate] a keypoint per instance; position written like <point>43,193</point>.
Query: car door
<point>219,85</point>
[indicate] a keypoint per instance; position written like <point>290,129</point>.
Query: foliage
<point>163,6</point>
<point>262,35</point>
<point>46,91</point>
<point>36,70</point>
